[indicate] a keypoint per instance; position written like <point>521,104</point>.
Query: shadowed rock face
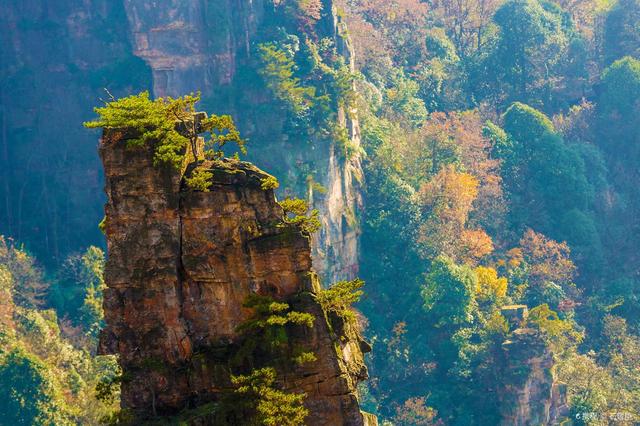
<point>181,264</point>
<point>56,58</point>
<point>192,45</point>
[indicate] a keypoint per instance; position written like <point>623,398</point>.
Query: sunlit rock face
<point>181,263</point>
<point>529,393</point>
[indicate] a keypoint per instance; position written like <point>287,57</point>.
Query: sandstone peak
<point>181,264</point>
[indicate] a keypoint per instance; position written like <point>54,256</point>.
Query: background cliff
<point>65,53</point>
<point>218,48</point>
<point>56,58</point>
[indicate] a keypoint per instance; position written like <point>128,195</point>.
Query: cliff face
<point>529,393</point>
<point>180,266</point>
<point>193,45</point>
<point>335,252</point>
<point>202,46</point>
<point>65,52</point>
<point>57,56</point>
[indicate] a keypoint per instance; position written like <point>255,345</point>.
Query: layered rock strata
<point>181,263</point>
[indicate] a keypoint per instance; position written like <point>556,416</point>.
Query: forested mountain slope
<point>499,135</point>
<point>468,158</point>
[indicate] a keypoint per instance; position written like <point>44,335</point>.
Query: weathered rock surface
<point>57,52</point>
<point>181,264</point>
<point>335,252</point>
<point>192,45</point>
<point>529,393</point>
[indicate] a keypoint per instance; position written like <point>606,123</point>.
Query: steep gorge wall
<point>202,45</point>
<point>180,266</point>
<point>529,394</point>
<point>193,45</point>
<point>56,58</point>
<point>336,251</point>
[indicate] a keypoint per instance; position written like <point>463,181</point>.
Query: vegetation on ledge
<point>170,124</point>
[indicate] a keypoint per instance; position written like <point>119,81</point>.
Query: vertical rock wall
<point>336,251</point>
<point>529,394</point>
<point>180,266</point>
<point>192,45</point>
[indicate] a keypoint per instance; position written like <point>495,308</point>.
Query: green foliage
<point>29,396</point>
<point>256,400</point>
<point>28,290</point>
<point>103,225</point>
<point>523,122</point>
<point>222,131</point>
<point>47,370</point>
<point>620,89</point>
<point>259,403</point>
<point>268,312</point>
<point>526,54</point>
<point>621,33</point>
<point>340,296</point>
<point>169,124</point>
<point>560,333</point>
<point>278,72</point>
<point>402,98</point>
<point>269,183</point>
<point>439,46</point>
<point>200,180</point>
<point>606,381</point>
<point>304,357</point>
<point>318,188</point>
<point>295,211</point>
<point>108,387</point>
<point>77,292</point>
<point>448,293</point>
<point>91,312</point>
<point>545,176</point>
<point>152,121</point>
<point>502,145</point>
<point>266,333</point>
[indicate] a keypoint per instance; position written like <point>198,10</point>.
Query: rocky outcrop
<point>181,263</point>
<point>529,393</point>
<point>68,52</point>
<point>200,45</point>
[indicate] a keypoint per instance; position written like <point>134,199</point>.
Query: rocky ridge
<point>529,393</point>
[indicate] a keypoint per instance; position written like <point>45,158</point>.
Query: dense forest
<point>500,166</point>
